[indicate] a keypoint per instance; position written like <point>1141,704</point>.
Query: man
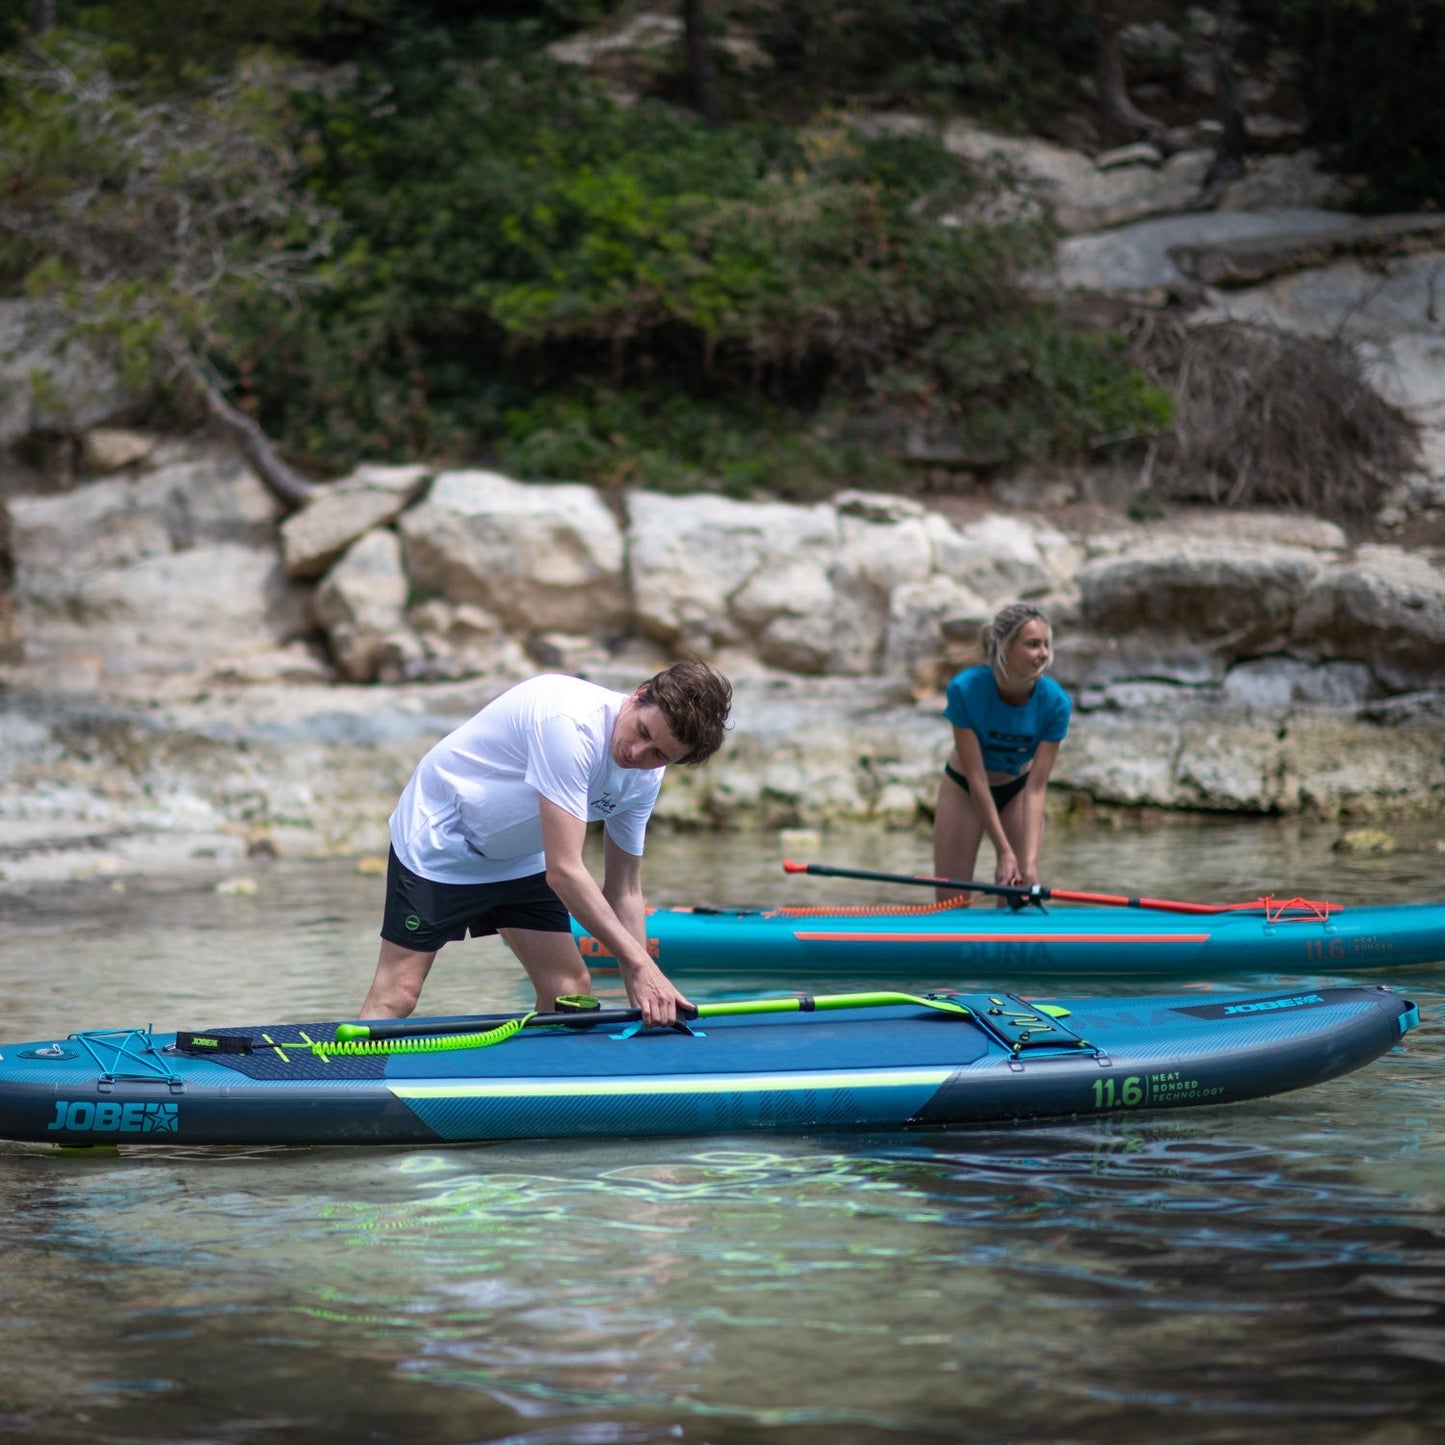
<point>488,834</point>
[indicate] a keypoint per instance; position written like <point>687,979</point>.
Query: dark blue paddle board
<point>997,1059</point>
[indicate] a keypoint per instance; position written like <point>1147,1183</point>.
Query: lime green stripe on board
<point>694,1084</point>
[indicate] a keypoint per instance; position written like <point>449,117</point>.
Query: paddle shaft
<point>590,1018</point>
<point>1020,896</point>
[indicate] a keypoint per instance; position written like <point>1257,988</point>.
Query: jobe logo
<point>80,1116</point>
<point>1264,1005</point>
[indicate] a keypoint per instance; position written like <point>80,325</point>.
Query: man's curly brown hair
<point>694,700</point>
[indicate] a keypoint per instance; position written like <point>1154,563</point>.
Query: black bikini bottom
<point>1003,793</point>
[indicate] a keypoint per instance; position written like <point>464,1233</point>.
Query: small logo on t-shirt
<point>605,804</point>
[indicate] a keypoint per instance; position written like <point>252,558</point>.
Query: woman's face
<point>1028,654</point>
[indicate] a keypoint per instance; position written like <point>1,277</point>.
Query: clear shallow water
<point>1209,1275</point>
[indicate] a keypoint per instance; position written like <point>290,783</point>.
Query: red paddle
<point>1021,897</point>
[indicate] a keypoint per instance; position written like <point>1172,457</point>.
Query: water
<point>1210,1275</point>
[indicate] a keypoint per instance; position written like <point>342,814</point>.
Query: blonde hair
<point>996,637</point>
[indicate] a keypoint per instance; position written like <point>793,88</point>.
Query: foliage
<point>1003,62</point>
<point>454,246</point>
<point>1044,384</point>
<point>599,269</point>
<point>154,221</point>
<point>670,440</point>
<point>1370,70</point>
<point>172,40</point>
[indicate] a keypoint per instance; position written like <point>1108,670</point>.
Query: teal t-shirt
<point>1007,736</point>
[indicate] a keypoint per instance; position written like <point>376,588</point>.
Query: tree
<point>1228,163</point>
<point>699,60</point>
<point>1120,113</point>
<point>154,221</point>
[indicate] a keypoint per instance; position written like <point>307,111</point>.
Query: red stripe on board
<point>1001,937</point>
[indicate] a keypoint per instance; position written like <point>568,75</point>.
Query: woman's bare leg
<point>957,832</point>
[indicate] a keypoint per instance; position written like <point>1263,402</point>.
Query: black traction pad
<point>282,1051</point>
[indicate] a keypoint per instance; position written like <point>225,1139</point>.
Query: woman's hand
<point>1006,870</point>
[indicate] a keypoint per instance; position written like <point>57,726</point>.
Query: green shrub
<point>456,248</point>
<point>669,440</point>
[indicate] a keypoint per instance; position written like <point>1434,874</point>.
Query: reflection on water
<point>1212,1275</point>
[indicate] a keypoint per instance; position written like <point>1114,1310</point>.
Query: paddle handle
<point>1016,893</point>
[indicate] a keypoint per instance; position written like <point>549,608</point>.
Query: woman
<point>1008,721</point>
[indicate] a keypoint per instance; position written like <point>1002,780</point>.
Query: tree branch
<point>279,479</point>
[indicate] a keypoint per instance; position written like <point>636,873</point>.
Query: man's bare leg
<point>396,986</point>
<point>552,962</point>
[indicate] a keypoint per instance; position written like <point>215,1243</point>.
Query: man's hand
<point>650,991</point>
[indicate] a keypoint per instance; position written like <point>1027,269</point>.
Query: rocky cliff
<point>181,661</point>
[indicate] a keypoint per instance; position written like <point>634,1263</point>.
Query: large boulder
<point>185,499</point>
<point>1385,609</point>
<point>1188,610</point>
<point>372,496</point>
<point>1002,558</point>
<point>206,612</point>
<point>1237,598</point>
<point>361,604</point>
<point>806,589</point>
<point>692,557</point>
<point>172,573</point>
<point>924,618</point>
<point>542,557</point>
<point>1189,749</point>
<point>1083,196</point>
<point>1170,254</point>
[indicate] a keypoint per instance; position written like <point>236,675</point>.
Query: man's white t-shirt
<point>470,813</point>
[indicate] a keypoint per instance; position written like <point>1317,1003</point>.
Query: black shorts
<point>1003,793</point>
<point>423,915</point>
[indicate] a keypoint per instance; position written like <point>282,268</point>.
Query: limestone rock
<point>1366,840</point>
<point>1386,609</point>
<point>922,617</point>
<point>708,572</point>
<point>1239,597</point>
<point>1153,255</point>
<point>1001,558</point>
<point>372,496</point>
<point>361,604</point>
<point>190,612</point>
<point>1083,197</point>
<point>108,449</point>
<point>542,557</point>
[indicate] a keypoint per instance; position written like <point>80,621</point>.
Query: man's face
<point>641,737</point>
